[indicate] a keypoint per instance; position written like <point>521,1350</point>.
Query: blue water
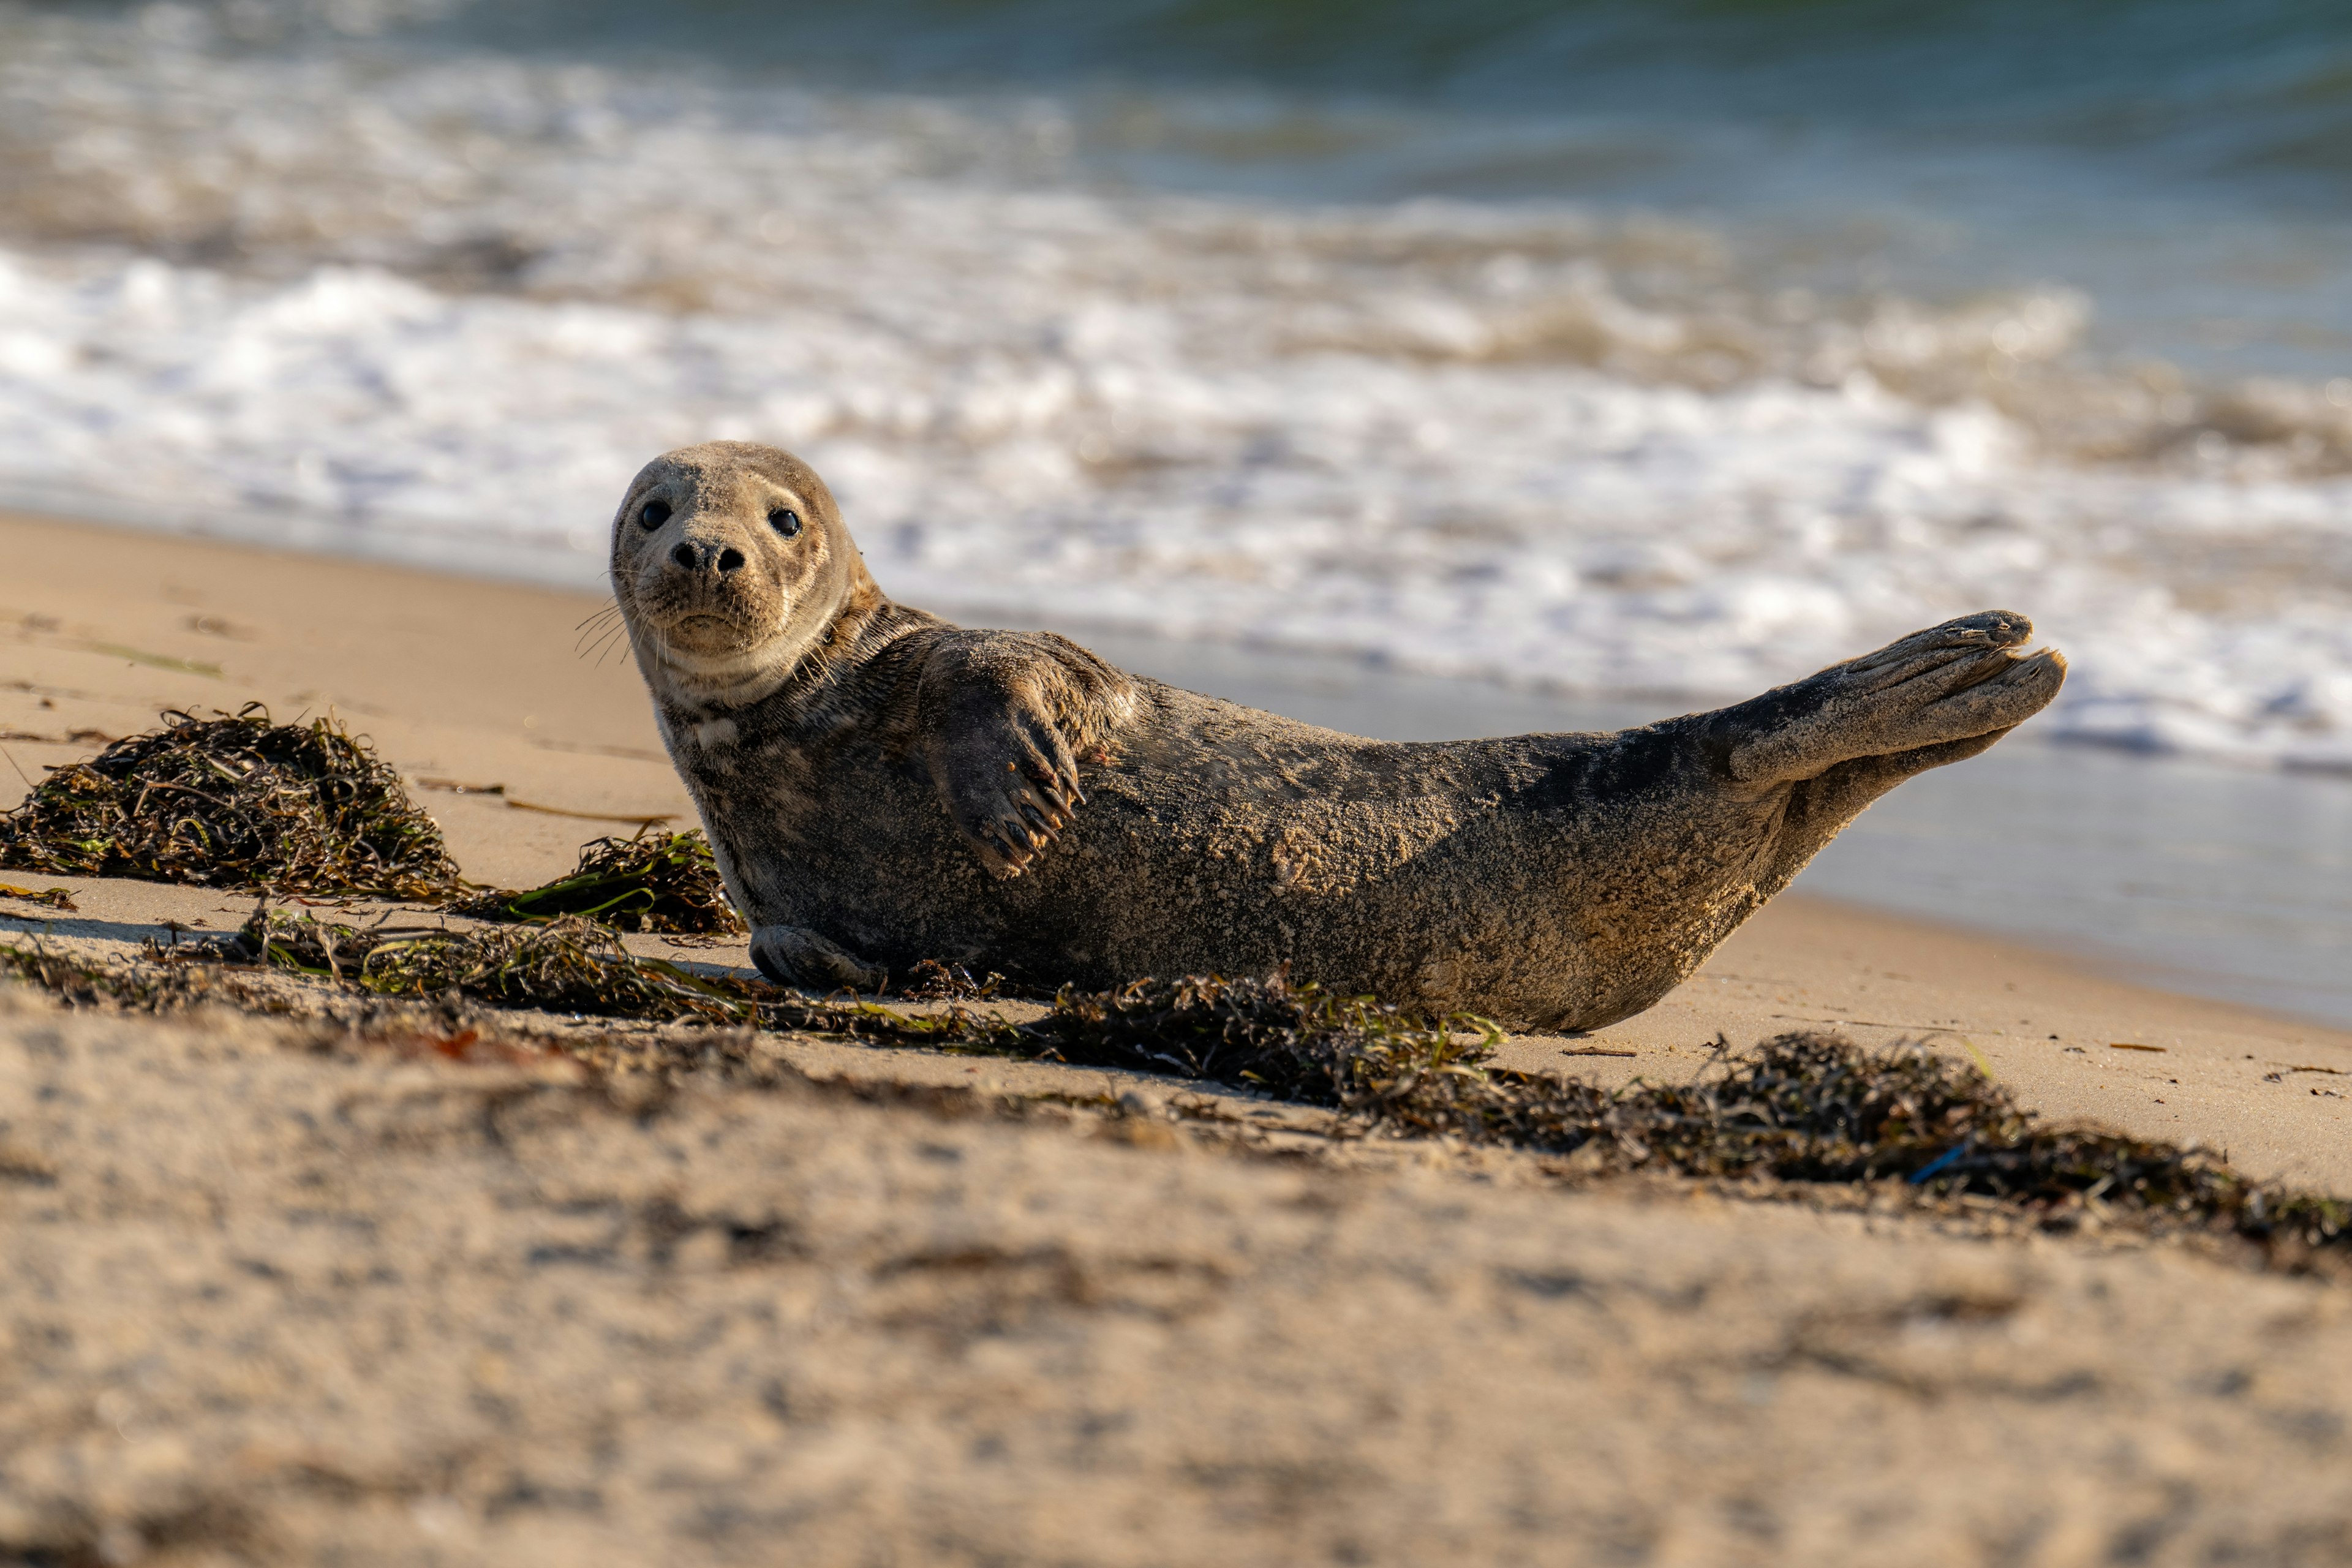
<point>2188,162</point>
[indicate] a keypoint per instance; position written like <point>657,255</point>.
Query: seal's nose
<point>695,557</point>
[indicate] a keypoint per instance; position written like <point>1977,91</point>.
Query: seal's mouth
<point>677,601</point>
<point>707,631</point>
<point>699,624</point>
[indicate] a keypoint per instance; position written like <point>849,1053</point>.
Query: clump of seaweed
<point>233,800</point>
<point>649,883</point>
<point>933,981</point>
<point>131,986</point>
<point>1295,1042</point>
<point>1814,1106</point>
<point>567,964</point>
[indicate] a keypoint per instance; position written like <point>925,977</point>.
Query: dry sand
<point>260,1301</point>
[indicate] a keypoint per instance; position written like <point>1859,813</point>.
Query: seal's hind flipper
<point>800,958</point>
<point>1918,698</point>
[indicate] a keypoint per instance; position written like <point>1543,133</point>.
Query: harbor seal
<point>881,787</point>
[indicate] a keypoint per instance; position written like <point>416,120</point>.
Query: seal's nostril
<point>730,558</point>
<point>684,555</point>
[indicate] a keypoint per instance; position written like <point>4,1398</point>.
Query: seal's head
<point>731,566</point>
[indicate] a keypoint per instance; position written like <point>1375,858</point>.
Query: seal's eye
<point>655,514</point>
<point>784,520</point>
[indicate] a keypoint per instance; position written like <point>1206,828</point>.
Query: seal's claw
<point>1011,827</point>
<point>1009,782</point>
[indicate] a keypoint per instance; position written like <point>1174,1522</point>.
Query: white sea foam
<point>447,316</point>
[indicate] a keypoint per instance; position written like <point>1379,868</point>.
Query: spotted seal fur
<point>882,787</point>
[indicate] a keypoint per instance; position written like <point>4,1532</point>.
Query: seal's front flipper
<point>797,957</point>
<point>1010,782</point>
<point>996,718</point>
<point>1918,699</point>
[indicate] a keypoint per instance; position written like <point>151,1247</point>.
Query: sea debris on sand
<point>1298,1043</point>
<point>233,800</point>
<point>569,963</point>
<point>1295,1041</point>
<point>1804,1107</point>
<point>648,882</point>
<point>1810,1107</point>
<point>1801,1107</point>
<point>51,897</point>
<point>236,800</point>
<point>133,985</point>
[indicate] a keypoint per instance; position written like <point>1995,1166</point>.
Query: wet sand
<point>274,1304</point>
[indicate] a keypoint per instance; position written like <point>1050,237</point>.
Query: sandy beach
<point>268,1300</point>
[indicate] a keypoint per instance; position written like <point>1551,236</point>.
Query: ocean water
<point>1617,350</point>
